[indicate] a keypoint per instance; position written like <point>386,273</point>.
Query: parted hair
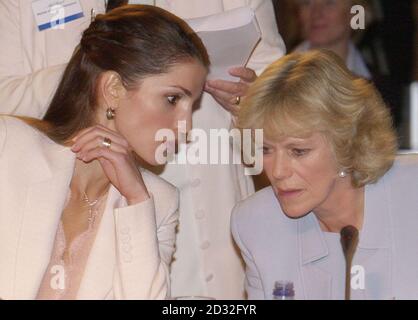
<point>303,93</point>
<point>136,41</point>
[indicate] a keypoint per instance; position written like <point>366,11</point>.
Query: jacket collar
<point>47,189</point>
<point>46,184</point>
<point>375,233</point>
<point>101,264</point>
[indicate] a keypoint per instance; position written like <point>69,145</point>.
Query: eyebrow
<point>186,91</point>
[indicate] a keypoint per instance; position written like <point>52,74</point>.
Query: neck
<point>339,47</point>
<point>345,206</point>
<point>89,178</point>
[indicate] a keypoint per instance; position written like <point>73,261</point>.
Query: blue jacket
<point>276,247</point>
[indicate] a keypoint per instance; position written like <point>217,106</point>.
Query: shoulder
<point>258,211</point>
<point>404,170</point>
<point>246,208</point>
<point>399,187</point>
<point>16,133</point>
<point>16,125</point>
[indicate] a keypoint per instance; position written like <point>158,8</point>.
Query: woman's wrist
<point>138,197</point>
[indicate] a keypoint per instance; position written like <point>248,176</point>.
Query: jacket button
<point>125,238</point>
<point>200,214</point>
<point>124,230</point>
<point>205,245</point>
<point>126,248</point>
<point>195,183</point>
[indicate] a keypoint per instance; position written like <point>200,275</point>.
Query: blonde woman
<point>329,153</point>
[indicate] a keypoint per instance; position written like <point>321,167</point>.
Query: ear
<point>110,90</point>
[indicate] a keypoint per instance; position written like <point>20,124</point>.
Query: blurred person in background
<point>326,24</point>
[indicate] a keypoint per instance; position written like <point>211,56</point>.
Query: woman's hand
<point>116,160</point>
<point>226,92</point>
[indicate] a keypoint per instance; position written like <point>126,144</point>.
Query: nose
<point>317,9</point>
<point>184,121</point>
<point>281,167</point>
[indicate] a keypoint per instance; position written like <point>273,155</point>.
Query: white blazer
<point>30,68</point>
<point>134,244</point>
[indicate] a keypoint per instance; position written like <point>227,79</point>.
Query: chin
<point>151,161</point>
<point>294,212</point>
<point>145,160</point>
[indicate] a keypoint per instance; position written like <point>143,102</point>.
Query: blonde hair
<point>303,93</point>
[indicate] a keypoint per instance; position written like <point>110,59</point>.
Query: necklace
<point>92,205</point>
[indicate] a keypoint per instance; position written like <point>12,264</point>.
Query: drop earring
<point>110,113</point>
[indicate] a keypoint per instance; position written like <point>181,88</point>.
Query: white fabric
<point>134,244</point>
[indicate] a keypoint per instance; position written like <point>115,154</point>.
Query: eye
<point>300,152</point>
<point>267,150</point>
<point>173,99</point>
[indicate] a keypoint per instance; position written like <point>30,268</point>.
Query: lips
<point>289,193</point>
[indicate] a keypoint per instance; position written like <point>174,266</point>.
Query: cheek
<point>304,17</point>
<point>267,166</point>
<point>340,19</point>
<point>320,185</point>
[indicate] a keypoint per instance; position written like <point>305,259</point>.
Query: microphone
<point>349,241</point>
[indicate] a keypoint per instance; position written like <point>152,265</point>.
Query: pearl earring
<point>342,174</point>
<point>110,113</point>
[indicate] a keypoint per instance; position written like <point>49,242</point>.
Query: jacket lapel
<point>47,189</point>
<point>374,254</point>
<point>316,282</point>
<point>101,265</point>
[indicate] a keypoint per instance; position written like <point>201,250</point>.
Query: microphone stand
<point>349,241</point>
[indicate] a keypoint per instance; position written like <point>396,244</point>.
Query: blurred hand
<point>117,160</point>
<point>226,92</point>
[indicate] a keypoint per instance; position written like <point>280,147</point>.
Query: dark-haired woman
<point>77,219</point>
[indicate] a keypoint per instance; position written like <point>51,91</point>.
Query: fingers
<point>116,160</point>
<point>86,155</point>
<point>226,93</point>
<point>222,88</point>
<point>96,135</point>
<point>233,108</point>
<point>110,154</point>
<point>245,74</point>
